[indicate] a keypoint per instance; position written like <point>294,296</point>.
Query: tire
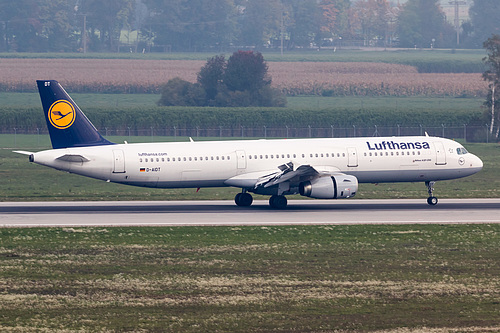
<point>278,201</point>
<point>243,199</point>
<point>432,201</point>
<point>237,199</point>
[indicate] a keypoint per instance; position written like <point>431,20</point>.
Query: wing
<point>286,173</point>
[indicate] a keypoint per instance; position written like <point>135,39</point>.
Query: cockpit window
<point>462,151</point>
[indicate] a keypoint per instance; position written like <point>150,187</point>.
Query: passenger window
<point>249,157</point>
<point>294,155</point>
<point>217,158</point>
<point>287,155</point>
<point>222,158</point>
<point>185,159</point>
<point>140,160</point>
<point>190,159</point>
<point>228,158</point>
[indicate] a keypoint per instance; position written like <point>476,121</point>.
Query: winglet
<point>68,126</point>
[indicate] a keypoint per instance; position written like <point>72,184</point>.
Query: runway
<point>218,213</point>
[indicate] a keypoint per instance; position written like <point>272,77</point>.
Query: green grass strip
<point>250,279</point>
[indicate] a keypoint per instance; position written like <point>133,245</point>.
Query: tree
<point>492,75</point>
<point>484,18</point>
<point>260,20</point>
<point>178,92</point>
<point>328,20</point>
<point>241,81</point>
<point>193,25</point>
<point>246,82</point>
<point>21,25</point>
<point>211,75</point>
<point>422,23</point>
<point>246,70</point>
<point>106,19</point>
<point>303,21</point>
<point>374,17</point>
<point>57,30</point>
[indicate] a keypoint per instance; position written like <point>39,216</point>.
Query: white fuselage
<point>213,164</point>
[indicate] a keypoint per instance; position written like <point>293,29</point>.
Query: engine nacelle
<point>334,187</point>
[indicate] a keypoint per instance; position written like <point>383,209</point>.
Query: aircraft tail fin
<point>68,126</point>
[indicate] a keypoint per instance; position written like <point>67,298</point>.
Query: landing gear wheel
<point>243,199</point>
<point>432,201</point>
<point>278,201</point>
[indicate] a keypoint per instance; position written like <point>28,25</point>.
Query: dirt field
<point>294,78</point>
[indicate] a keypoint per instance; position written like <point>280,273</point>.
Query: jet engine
<point>333,187</point>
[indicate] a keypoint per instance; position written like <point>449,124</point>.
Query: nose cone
<point>475,164</point>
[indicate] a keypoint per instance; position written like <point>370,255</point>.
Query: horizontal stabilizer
<point>22,152</point>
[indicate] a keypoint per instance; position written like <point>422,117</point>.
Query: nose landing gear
<point>431,200</point>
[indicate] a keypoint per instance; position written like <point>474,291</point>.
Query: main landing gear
<point>431,200</point>
<point>278,201</point>
<point>245,199</point>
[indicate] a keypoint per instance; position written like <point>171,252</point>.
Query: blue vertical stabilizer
<point>68,126</point>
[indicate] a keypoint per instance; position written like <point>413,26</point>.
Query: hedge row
<point>190,117</point>
<point>446,66</point>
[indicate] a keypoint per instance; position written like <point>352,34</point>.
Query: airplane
<point>315,168</point>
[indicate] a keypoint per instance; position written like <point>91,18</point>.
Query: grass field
<point>413,278</point>
<point>24,181</point>
<point>326,55</point>
<point>294,102</point>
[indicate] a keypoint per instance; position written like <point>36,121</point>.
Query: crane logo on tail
<point>62,114</point>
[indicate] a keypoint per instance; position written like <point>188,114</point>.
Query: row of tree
<point>220,25</point>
